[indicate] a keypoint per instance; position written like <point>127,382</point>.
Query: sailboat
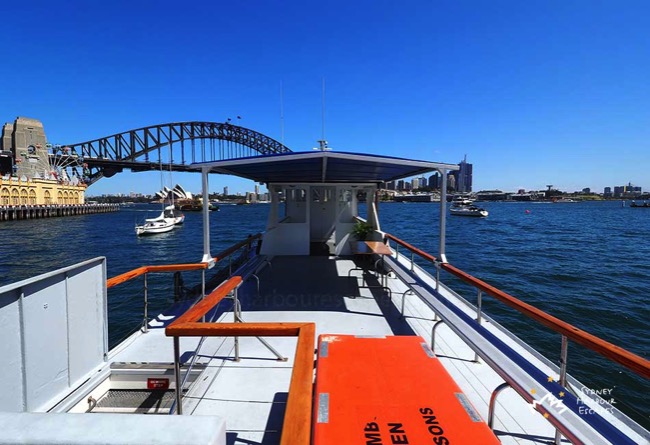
<point>168,218</point>
<point>152,226</point>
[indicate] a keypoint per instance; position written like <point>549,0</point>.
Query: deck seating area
<point>251,394</point>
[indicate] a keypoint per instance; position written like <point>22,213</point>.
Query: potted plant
<point>361,230</point>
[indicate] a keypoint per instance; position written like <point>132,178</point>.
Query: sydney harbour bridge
<point>171,146</point>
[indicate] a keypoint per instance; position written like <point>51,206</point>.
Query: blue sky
<point>533,92</point>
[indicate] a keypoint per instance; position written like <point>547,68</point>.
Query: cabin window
<point>345,196</point>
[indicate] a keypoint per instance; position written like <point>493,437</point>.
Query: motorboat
<point>468,210</point>
<point>293,347</point>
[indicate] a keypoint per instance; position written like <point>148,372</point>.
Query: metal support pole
<point>443,216</point>
<point>479,315</point>
<point>412,261</point>
<point>207,258</point>
<point>493,399</point>
<point>437,264</point>
<point>397,252</point>
<point>177,376</point>
<point>433,335</point>
<point>145,324</point>
<point>562,382</point>
<point>203,290</point>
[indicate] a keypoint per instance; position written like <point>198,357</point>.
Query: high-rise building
<point>390,185</point>
<point>464,177</point>
<point>434,181</point>
<point>400,185</point>
<point>415,183</point>
<point>225,191</point>
<point>451,182</point>
<point>607,192</point>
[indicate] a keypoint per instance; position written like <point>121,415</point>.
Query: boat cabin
<point>315,195</point>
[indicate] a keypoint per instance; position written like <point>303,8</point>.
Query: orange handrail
<point>609,350</point>
<point>119,279</point>
<point>202,307</point>
<point>296,428</point>
<point>146,269</point>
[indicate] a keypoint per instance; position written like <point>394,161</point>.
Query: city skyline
<point>534,93</point>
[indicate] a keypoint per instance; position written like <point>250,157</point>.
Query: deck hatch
<point>138,401</point>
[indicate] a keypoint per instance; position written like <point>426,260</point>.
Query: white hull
<point>468,211</point>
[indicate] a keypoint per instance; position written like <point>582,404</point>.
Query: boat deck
<point>251,394</point>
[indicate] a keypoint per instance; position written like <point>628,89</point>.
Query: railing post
<point>235,319</point>
<point>203,290</point>
<point>397,251</point>
<point>437,264</point>
<point>412,261</point>
<point>493,399</point>
<point>433,336</point>
<point>177,376</point>
<point>562,382</point>
<point>145,324</point>
<point>479,316</point>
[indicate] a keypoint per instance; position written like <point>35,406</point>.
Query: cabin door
<point>322,213</point>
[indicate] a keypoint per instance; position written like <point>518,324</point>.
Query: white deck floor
<point>251,394</point>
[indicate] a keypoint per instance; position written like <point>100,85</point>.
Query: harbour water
<point>587,263</point>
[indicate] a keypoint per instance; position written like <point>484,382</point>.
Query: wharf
<point>11,213</point>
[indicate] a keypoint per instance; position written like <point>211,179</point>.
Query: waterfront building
<point>627,191</point>
<point>225,191</point>
<point>607,193</point>
<point>407,186</point>
<point>390,185</point>
<point>400,185</point>
<point>28,176</point>
<point>415,183</point>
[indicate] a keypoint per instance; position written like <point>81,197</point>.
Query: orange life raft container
<point>390,390</point>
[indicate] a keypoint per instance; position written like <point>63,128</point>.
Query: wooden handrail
<point>296,428</point>
<point>608,350</point>
<point>119,279</point>
<point>413,249</point>
<point>203,307</point>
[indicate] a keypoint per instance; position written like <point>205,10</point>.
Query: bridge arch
<point>176,145</point>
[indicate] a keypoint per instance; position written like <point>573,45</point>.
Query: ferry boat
<point>313,338</point>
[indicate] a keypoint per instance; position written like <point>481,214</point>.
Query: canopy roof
<point>322,166</point>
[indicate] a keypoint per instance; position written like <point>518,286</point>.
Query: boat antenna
<point>322,143</point>
<point>281,113</point>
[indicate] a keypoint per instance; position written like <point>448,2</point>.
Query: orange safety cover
<point>389,390</point>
